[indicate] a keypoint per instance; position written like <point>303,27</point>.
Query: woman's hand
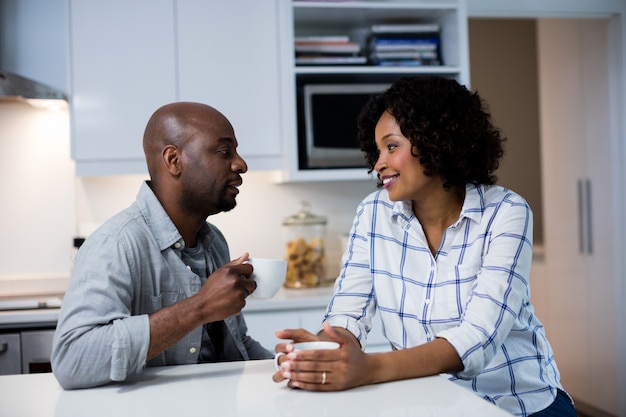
<point>325,370</point>
<point>282,349</point>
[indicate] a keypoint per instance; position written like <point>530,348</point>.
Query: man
<point>154,286</point>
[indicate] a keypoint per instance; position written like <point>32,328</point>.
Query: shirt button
<point>177,245</point>
<point>192,350</point>
<point>427,301</point>
<point>188,267</point>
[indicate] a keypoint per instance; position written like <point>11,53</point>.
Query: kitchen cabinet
<point>580,208</point>
<point>10,354</point>
<point>354,19</point>
<point>25,347</point>
<point>263,324</point>
<point>123,66</point>
<point>235,56</point>
<point>36,351</point>
<point>228,58</point>
<point>298,308</point>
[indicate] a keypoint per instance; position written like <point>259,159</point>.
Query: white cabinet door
<point>10,354</point>
<point>602,213</point>
<point>122,65</point>
<point>311,320</point>
<point>228,58</point>
<point>263,324</point>
<point>580,207</point>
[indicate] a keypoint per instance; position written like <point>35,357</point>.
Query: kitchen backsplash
<point>255,225</point>
<point>37,214</point>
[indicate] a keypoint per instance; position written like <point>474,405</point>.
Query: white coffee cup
<point>317,345</point>
<point>269,275</point>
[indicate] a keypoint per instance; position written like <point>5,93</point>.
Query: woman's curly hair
<point>449,126</point>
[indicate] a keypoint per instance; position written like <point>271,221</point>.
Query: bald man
<point>154,285</point>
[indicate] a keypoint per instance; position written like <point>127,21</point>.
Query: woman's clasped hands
<point>321,369</point>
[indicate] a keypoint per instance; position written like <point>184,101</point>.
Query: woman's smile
<point>387,180</point>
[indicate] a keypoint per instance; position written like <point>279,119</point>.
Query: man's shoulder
<point>126,224</point>
<point>129,217</point>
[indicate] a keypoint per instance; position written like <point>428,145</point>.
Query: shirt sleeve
<point>501,289</point>
<point>97,340</point>
<point>353,304</point>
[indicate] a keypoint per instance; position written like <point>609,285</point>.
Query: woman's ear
<point>171,159</point>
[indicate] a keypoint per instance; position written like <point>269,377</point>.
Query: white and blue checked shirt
<point>474,292</point>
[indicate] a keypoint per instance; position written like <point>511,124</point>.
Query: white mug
<point>269,275</point>
<point>317,345</point>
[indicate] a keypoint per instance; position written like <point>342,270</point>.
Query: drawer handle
<point>4,346</point>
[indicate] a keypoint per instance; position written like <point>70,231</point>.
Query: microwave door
<point>330,117</point>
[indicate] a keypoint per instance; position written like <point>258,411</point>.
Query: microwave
<point>327,124</point>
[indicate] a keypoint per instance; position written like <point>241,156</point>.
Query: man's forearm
<point>170,324</point>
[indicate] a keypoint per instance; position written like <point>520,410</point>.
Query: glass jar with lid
<point>305,235</point>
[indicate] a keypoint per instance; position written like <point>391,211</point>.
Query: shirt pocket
<point>455,289</point>
<point>164,299</point>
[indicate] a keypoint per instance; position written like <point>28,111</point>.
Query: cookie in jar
<point>305,249</point>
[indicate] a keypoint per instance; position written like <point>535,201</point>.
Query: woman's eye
<point>391,147</point>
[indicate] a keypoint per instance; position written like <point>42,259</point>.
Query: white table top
<point>234,389</point>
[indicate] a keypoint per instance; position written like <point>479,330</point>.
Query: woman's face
<point>399,170</point>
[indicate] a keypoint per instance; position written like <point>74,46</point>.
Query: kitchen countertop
<point>47,317</point>
<point>235,389</point>
<point>290,298</point>
<point>286,299</point>
<point>29,311</point>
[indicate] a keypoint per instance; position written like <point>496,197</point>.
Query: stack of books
<point>404,45</point>
<point>327,50</point>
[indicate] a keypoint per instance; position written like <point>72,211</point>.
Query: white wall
<point>255,225</point>
<point>37,214</point>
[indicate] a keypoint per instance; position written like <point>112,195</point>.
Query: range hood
<point>15,87</point>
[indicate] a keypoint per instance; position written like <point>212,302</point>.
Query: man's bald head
<point>175,124</point>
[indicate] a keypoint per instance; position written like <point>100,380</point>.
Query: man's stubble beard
<point>224,205</point>
<point>193,203</point>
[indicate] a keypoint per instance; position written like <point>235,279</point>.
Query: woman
<point>442,254</point>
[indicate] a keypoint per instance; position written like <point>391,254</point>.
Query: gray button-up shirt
<point>127,269</point>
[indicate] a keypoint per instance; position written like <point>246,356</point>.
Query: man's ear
<point>171,159</point>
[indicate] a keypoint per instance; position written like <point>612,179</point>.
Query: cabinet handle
<point>4,346</point>
<point>589,225</point>
<point>585,225</point>
<point>581,226</point>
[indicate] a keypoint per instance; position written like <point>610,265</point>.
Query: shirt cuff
<point>351,325</point>
<point>130,347</point>
<point>469,350</point>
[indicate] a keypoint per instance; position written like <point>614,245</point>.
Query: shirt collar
<point>163,229</point>
<point>473,205</point>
